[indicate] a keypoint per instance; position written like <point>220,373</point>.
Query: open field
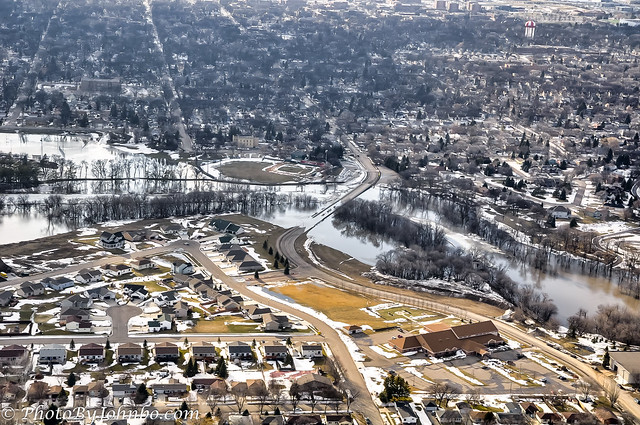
<point>224,324</point>
<point>253,171</point>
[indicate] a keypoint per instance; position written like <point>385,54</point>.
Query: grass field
<point>252,171</point>
<point>218,325</point>
<point>342,306</point>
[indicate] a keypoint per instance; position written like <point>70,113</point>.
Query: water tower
<point>529,29</point>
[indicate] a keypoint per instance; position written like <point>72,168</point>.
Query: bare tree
<point>275,389</point>
<point>239,393</point>
<point>442,392</point>
<point>214,395</point>
<point>611,391</point>
<point>585,389</point>
<point>262,394</point>
<point>295,395</point>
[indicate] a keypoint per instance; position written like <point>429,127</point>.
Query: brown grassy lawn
<point>339,305</point>
<point>217,325</point>
<point>252,171</point>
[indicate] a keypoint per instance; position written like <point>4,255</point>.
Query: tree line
<point>426,255</point>
<point>141,206</point>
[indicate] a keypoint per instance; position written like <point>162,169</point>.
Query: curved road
<point>364,403</point>
<point>286,246</point>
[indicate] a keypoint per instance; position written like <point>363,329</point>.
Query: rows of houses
<point>442,341</point>
<point>516,413</point>
<point>161,352</point>
<point>234,254</point>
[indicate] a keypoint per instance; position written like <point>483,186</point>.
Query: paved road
<point>286,246</point>
<point>355,381</point>
<point>120,315</point>
<point>342,355</point>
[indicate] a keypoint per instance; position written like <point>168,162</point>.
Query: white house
<point>182,267</point>
<point>58,283</point>
<point>311,351</point>
<point>406,413</point>
<point>52,353</point>
<point>88,276</point>
<point>626,365</point>
<point>560,211</point>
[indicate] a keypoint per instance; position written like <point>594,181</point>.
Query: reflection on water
<point>21,227</point>
<point>569,290</point>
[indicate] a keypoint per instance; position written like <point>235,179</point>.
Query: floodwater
<point>569,291</point>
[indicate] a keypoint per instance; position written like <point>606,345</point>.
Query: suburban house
<point>142,264</point>
<point>29,289</point>
<point>203,351</point>
<point>225,226</point>
<point>547,418</point>
<point>58,283</point>
<point>255,312</point>
<point>117,270</point>
<point>311,351</point>
<point>256,387</point>
<point>91,353</point>
<point>230,303</point>
<point>73,314</point>
<point>275,352</point>
<point>560,211</point>
<point>626,365</point>
<point>135,291</point>
<point>529,408</point>
<point>171,228</point>
<point>123,390</point>
<point>449,417</point>
<point>101,293</point>
<point>75,324</point>
<point>167,298</point>
<point>76,301</point>
<point>339,420</point>
<point>172,388</point>
<point>406,413</point>
<point>13,355</point>
<point>314,382</point>
<point>88,276</point>
<point>249,266</point>
<point>111,240</point>
<point>182,267</point>
<point>228,238</point>
<point>160,324</point>
<point>353,329</point>
<point>304,420</point>
<point>606,416</point>
<point>129,352</point>
<point>202,383</point>
<point>475,338</point>
<point>6,298</point>
<point>272,322</point>
<point>166,352</point>
<point>578,418</point>
<point>139,235</point>
<point>97,389</point>
<point>239,350</point>
<point>181,310</point>
<point>203,289</point>
<point>52,353</point>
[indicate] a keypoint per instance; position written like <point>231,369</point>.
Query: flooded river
<point>570,291</point>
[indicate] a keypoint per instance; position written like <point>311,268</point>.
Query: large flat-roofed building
<point>247,142</point>
<point>626,364</point>
<point>100,85</point>
<point>475,338</point>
